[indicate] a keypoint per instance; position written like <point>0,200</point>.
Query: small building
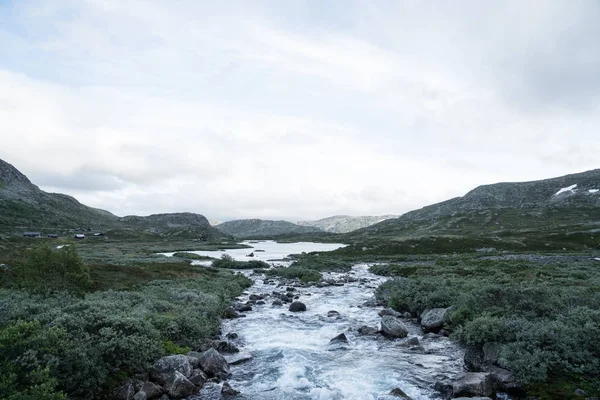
<point>79,236</point>
<point>32,234</point>
<point>99,234</point>
<point>52,235</point>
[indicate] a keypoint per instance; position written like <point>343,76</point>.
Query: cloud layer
<point>295,110</point>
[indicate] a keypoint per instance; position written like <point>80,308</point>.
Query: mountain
<point>254,228</point>
<point>567,203</point>
<point>345,223</point>
<point>24,206</point>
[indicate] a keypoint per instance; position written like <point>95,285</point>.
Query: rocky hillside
<point>258,228</point>
<point>345,223</point>
<point>567,203</point>
<point>25,207</point>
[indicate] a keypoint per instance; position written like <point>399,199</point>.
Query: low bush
<point>293,272</point>
<point>227,262</point>
<point>545,317</point>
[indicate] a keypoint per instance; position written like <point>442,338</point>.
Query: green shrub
<point>303,274</point>
<point>227,262</point>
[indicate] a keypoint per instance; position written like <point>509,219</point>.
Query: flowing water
<point>291,355</point>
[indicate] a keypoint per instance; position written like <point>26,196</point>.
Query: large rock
<point>393,327</point>
<point>210,391</point>
<point>397,392</point>
<point>151,390</point>
<point>297,306</point>
<point>367,330</point>
<point>228,391</point>
<point>238,358</point>
<point>214,364</point>
<point>164,368</point>
<point>433,320</point>
<point>178,386</point>
<point>389,311</point>
<point>227,347</point>
<point>140,396</point>
<point>474,359</point>
<point>125,391</point>
<point>198,377</point>
<point>474,384</point>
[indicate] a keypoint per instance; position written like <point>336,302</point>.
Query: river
<point>291,355</point>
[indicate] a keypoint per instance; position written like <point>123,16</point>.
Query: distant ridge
<point>570,201</point>
<point>255,228</point>
<point>345,223</point>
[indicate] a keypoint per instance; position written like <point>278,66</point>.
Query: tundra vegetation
<point>543,312</point>
<point>74,329</point>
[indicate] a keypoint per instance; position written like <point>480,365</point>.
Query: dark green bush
<point>226,261</point>
<point>303,274</point>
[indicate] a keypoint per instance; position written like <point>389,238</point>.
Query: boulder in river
<point>393,327</point>
<point>198,377</point>
<point>210,391</point>
<point>228,391</point>
<point>214,364</point>
<point>277,303</point>
<point>238,358</point>
<point>227,347</point>
<point>297,306</point>
<point>333,313</point>
<point>389,311</point>
<point>341,338</point>
<point>367,330</point>
<point>397,392</point>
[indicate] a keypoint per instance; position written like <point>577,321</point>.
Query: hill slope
<point>254,228</point>
<point>345,223</point>
<point>24,206</point>
<point>569,202</point>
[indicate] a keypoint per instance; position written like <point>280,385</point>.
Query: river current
<point>291,354</point>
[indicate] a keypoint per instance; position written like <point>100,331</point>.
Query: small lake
<point>266,250</point>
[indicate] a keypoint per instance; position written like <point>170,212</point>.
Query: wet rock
<point>228,391</point>
<point>367,330</point>
<point>165,367</point>
<point>238,358</point>
<point>260,303</point>
<point>474,358</point>
<point>341,338</point>
<point>297,306</point>
<point>214,364</point>
<point>393,327</point>
<point>230,313</point>
<point>445,389</point>
<point>433,320</point>
<point>474,384</point>
<point>413,341</point>
<point>290,289</point>
<point>198,377</point>
<point>256,297</point>
<point>431,336</point>
<point>407,315</point>
<point>151,390</point>
<point>374,303</point>
<point>397,392</point>
<point>243,307</point>
<point>277,303</point>
<point>389,311</point>
<point>232,335</point>
<point>210,391</point>
<point>227,347</point>
<point>333,313</point>
<point>178,386</point>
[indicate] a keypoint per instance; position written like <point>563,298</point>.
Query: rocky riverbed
<point>332,347</point>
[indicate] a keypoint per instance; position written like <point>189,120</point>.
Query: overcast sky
<point>295,109</point>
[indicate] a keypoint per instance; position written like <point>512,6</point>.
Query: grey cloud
<point>80,180</point>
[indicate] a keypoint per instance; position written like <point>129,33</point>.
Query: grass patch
<point>303,274</point>
<point>191,256</point>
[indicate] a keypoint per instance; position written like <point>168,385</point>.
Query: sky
<point>295,109</point>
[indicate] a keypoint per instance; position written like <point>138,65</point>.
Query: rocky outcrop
<point>393,327</point>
